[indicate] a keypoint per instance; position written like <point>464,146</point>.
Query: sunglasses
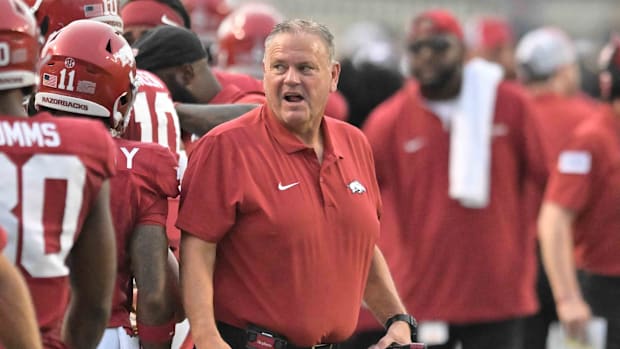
<point>437,44</point>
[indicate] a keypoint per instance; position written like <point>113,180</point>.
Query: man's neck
<point>314,139</point>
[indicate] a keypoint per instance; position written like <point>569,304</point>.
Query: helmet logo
<point>69,62</point>
<point>5,55</point>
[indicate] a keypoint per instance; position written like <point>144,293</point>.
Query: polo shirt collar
<point>290,143</point>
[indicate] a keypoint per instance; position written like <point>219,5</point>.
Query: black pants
<point>493,335</point>
<point>602,293</point>
<point>536,327</point>
<point>237,339</point>
<point>362,340</point>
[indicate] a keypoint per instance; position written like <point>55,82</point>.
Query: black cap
<point>167,46</point>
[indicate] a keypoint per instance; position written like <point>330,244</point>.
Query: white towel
<point>470,137</point>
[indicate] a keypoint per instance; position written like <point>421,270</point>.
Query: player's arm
<point>198,119</point>
<point>18,323</point>
<point>174,283</point>
<point>381,297</point>
<point>197,266</point>
<point>93,272</point>
<point>156,302</point>
<point>556,241</point>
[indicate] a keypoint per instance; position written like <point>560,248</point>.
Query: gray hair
<point>305,26</point>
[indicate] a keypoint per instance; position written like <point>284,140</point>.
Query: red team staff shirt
<point>254,189</point>
<point>146,177</point>
<point>450,262</point>
<point>2,238</point>
<point>586,180</point>
<point>52,169</point>
<point>559,116</point>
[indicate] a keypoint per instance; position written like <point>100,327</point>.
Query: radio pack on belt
<point>258,338</point>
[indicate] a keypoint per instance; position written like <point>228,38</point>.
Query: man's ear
<point>335,72</point>
<point>185,74</point>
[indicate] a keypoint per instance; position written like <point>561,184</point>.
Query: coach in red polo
<point>280,214</point>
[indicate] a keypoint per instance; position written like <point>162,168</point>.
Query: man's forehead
<point>284,43</point>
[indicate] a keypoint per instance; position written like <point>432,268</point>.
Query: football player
<point>92,72</point>
<point>54,197</point>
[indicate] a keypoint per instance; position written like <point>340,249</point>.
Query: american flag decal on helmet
<point>93,10</point>
<point>50,80</point>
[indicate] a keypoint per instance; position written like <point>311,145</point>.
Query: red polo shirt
<point>586,180</point>
<point>559,116</point>
<point>2,238</point>
<point>450,262</point>
<point>295,237</point>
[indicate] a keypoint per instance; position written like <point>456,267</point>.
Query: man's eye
<point>279,67</point>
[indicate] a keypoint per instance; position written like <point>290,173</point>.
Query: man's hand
<point>574,314</point>
<point>399,332</point>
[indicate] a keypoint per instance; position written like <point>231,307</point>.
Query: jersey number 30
<point>44,246</point>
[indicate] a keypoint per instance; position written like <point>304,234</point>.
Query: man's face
<point>298,77</point>
<point>132,34</point>
<point>178,92</point>
<point>434,58</point>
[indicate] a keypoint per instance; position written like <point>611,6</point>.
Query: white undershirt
<point>444,109</point>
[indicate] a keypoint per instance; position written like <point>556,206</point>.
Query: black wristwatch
<point>410,320</point>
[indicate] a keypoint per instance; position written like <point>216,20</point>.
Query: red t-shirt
<point>146,177</point>
<point>295,238</point>
<point>52,169</point>
<point>586,180</point>
<point>453,263</point>
<point>153,118</point>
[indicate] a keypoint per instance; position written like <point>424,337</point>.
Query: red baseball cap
<point>489,32</point>
<point>436,21</point>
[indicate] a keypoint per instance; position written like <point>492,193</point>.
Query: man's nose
<point>292,76</point>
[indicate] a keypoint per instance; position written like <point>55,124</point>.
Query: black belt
<point>237,338</point>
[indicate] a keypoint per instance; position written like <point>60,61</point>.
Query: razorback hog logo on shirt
<point>357,187</point>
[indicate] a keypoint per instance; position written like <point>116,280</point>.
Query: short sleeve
<point>158,182</point>
<point>211,188</point>
<point>574,173</point>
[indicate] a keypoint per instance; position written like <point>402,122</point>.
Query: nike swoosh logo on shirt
<point>286,187</point>
<point>414,144</point>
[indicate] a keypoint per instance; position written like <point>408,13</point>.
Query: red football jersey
<point>153,118</point>
<point>146,177</point>
<point>52,169</point>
